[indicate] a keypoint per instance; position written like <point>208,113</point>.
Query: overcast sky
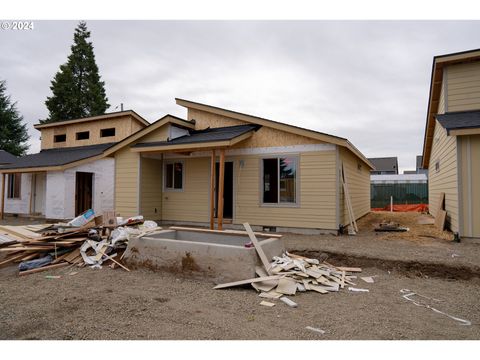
<point>364,80</point>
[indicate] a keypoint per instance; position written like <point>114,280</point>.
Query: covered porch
<point>199,158</point>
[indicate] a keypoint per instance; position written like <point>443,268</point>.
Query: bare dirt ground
<point>141,304</point>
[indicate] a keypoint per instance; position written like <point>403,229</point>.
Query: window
<point>437,166</point>
<point>174,176</point>
<point>279,180</point>
<point>107,132</point>
<point>60,138</point>
<point>14,183</point>
<point>83,135</point>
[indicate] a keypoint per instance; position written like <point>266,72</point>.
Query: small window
<point>279,180</point>
<point>174,176</point>
<point>60,138</point>
<point>14,184</point>
<point>83,135</point>
<point>107,132</point>
<point>437,166</point>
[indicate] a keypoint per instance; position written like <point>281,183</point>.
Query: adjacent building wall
<point>357,175</point>
<point>463,87</point>
<point>469,171</point>
<point>151,188</point>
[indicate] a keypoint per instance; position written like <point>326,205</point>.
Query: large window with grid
<point>279,180</point>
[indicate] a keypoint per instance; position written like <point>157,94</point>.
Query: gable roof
<point>95,118</point>
<point>439,63</point>
<point>6,157</point>
<point>58,157</point>
<point>206,135</point>
<point>277,125</point>
<point>153,126</point>
<point>459,120</point>
<point>385,163</point>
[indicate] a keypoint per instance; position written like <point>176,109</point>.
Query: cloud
<point>364,80</point>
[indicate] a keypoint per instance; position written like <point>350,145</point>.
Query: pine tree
<point>77,89</point>
<point>13,133</point>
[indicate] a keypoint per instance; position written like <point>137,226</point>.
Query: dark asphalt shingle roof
<point>206,135</point>
<point>385,164</point>
<point>57,157</point>
<point>459,120</point>
<point>6,157</point>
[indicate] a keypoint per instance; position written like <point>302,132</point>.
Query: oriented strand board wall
<point>192,203</point>
<point>444,151</point>
<point>151,188</point>
<point>358,182</point>
<point>127,167</point>
<point>317,206</point>
<point>124,126</point>
<point>263,137</point>
<point>469,156</point>
<point>463,87</point>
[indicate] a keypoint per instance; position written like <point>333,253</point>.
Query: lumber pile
<point>49,246</point>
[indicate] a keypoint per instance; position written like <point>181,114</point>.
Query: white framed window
<point>173,178</point>
<point>14,185</point>
<point>279,180</point>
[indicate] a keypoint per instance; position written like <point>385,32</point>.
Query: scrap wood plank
<point>440,219</point>
<point>11,259</point>
<point>346,194</point>
<point>349,269</point>
<point>26,248</point>
<point>19,231</point>
<point>43,268</point>
<point>73,255</point>
<point>265,286</point>
<point>286,286</point>
<point>115,261</point>
<point>237,232</point>
<point>440,204</point>
<point>258,247</point>
<point>317,288</point>
<point>248,281</point>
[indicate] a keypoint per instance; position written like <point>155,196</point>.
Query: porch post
<point>3,195</point>
<point>221,178</point>
<point>212,190</point>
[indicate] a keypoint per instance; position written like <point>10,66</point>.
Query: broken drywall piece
<point>320,331</point>
<point>289,302</point>
<point>357,289</point>
<point>368,279</point>
<point>286,286</point>
<point>267,303</point>
<point>272,294</point>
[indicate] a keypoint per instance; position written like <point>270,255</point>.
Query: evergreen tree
<point>77,89</point>
<point>13,133</point>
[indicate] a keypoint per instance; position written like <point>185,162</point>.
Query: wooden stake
<point>111,258</point>
<point>261,254</point>
<point>212,190</point>
<point>221,189</point>
<point>3,196</point>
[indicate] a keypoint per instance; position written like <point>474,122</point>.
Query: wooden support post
<point>212,190</point>
<point>221,178</point>
<point>3,196</point>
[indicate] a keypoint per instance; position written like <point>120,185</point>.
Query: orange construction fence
<point>404,208</point>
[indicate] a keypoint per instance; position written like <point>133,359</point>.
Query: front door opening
<point>83,192</point>
<point>227,191</point>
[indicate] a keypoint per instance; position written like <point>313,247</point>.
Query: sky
<point>367,81</point>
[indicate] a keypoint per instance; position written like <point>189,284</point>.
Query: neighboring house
<point>384,166</point>
<point>451,150</point>
<point>420,169</point>
<point>274,175</point>
<point>70,174</point>
<point>406,189</point>
<point>6,157</point>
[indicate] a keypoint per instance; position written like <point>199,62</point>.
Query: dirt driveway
<point>114,304</point>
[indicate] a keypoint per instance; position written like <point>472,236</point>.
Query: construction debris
<point>320,331</point>
<point>390,226</point>
<point>85,240</point>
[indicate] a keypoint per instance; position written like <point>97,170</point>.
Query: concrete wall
<point>21,205</point>
<point>60,190</point>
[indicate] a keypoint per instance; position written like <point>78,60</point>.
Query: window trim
<point>279,204</point>
<point>9,181</point>
<point>82,132</point>
<point>167,189</point>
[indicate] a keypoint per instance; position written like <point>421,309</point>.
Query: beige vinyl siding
<point>317,198</point>
<point>126,182</point>
<point>444,150</point>
<point>463,87</point>
<point>191,203</point>
<point>124,127</point>
<point>357,176</point>
<point>469,159</point>
<point>151,188</point>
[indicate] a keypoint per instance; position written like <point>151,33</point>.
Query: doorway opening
<point>83,192</point>
<point>227,190</point>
